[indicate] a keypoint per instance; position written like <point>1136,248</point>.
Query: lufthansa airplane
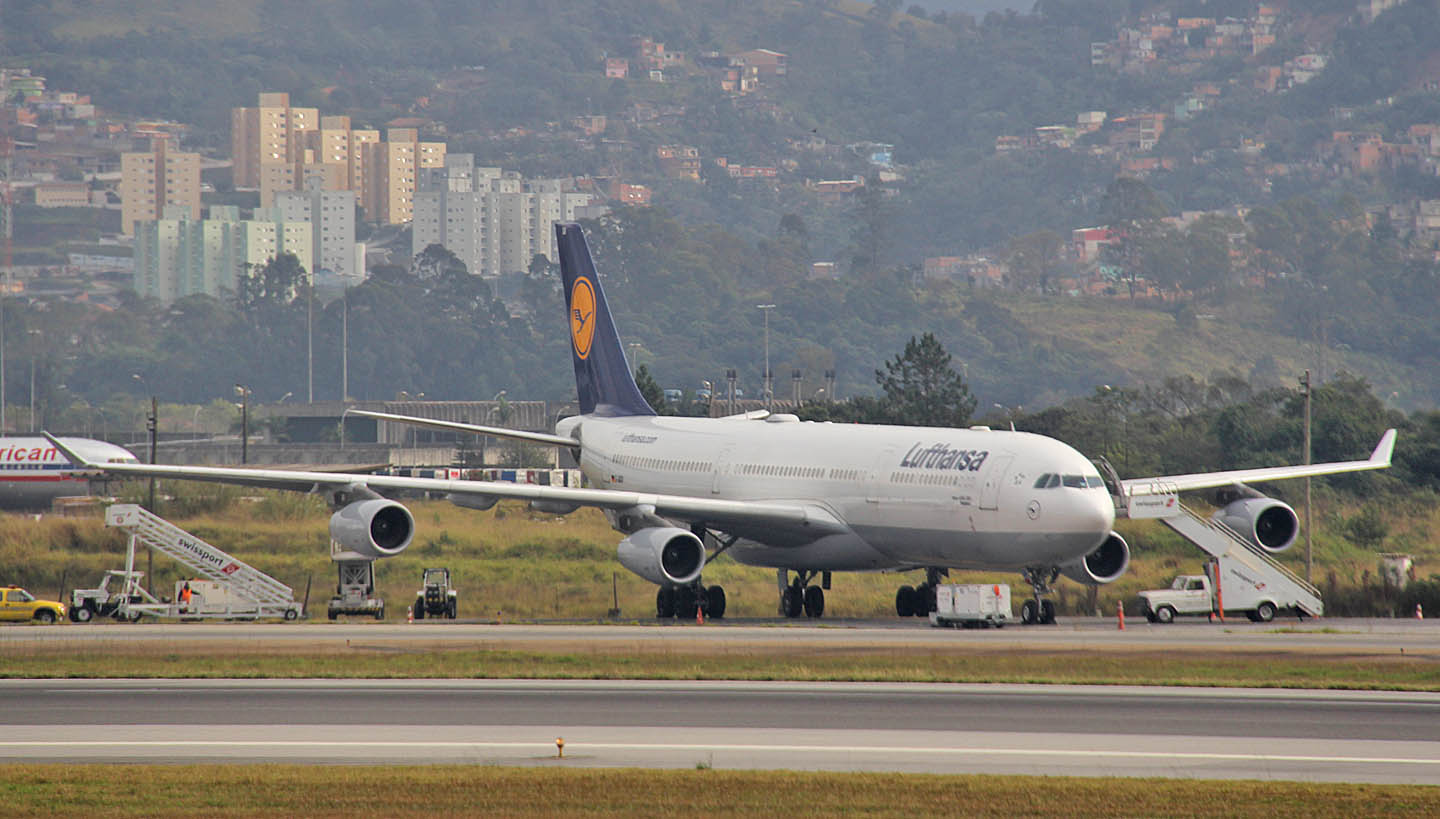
<point>774,491</point>
<point>33,472</point>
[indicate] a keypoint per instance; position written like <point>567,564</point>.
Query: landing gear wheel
<point>792,600</point>
<point>924,600</point>
<point>1029,613</point>
<point>665,603</point>
<point>715,602</point>
<point>84,614</point>
<point>419,609</point>
<point>686,604</point>
<point>1047,612</point>
<point>905,601</point>
<point>1265,612</point>
<point>814,601</point>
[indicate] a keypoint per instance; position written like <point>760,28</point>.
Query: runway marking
<point>574,746</point>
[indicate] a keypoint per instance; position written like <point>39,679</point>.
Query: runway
<point>1380,737</point>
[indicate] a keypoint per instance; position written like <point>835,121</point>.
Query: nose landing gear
<point>1039,610</point>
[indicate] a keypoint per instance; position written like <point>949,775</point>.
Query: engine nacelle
<point>663,554</point>
<point>1265,522</point>
<point>374,528</point>
<point>1104,565</point>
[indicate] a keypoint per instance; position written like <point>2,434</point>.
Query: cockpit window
<point>1051,480</point>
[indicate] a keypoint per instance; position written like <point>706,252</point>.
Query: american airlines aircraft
<point>801,497</point>
<point>33,473</point>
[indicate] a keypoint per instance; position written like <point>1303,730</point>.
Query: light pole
<point>244,393</point>
<point>33,334</point>
<point>1305,383</point>
<point>766,308</point>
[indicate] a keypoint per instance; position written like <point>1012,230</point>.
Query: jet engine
<point>1104,565</point>
<point>1264,522</point>
<point>374,528</point>
<point>663,554</point>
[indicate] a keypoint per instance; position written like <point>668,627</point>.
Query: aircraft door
<point>876,483</point>
<point>991,482</point>
<point>722,466</point>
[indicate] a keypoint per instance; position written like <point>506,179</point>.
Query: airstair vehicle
<point>1247,577</point>
<point>222,586</point>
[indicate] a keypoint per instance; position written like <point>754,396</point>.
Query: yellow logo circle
<point>582,316</point>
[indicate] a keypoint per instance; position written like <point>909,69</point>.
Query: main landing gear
<point>798,595</point>
<point>1039,610</point>
<point>684,601</point>
<point>919,601</point>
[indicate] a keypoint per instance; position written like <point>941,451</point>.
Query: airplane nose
<point>1098,512</point>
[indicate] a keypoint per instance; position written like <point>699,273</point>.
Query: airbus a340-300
<point>774,491</point>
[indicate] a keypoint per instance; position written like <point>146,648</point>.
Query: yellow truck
<point>18,604</point>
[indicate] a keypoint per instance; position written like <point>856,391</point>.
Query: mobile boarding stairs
<point>234,591</point>
<point>1226,546</point>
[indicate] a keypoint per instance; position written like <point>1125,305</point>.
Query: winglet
<point>1384,449</point>
<point>70,455</point>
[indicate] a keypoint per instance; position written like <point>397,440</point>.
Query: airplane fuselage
<point>33,473</point>
<point>910,496</point>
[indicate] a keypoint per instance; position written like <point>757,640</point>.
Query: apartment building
<point>270,134</point>
<point>494,221</point>
<point>393,168</point>
<point>151,182</point>
<point>178,256</point>
<point>331,216</point>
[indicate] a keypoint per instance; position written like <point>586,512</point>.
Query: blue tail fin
<point>602,376</point>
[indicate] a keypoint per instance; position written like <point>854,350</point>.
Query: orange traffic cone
<point>409,614</point>
<point>1419,615</point>
<point>699,615</point>
<point>1120,614</point>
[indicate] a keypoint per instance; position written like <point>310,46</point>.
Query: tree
<point>649,389</point>
<point>1134,212</point>
<point>1033,257</point>
<point>436,261</point>
<point>923,389</point>
<point>870,235</point>
<point>275,282</point>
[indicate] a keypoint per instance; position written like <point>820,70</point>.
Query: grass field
<point>551,789</point>
<point>1290,665</point>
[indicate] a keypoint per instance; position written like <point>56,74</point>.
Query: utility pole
<point>766,308</point>
<point>1305,382</point>
<point>244,393</point>
<point>310,338</point>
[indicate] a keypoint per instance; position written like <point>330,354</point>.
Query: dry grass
<point>620,658</point>
<point>551,790</point>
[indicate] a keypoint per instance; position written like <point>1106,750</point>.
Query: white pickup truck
<point>1195,594</point>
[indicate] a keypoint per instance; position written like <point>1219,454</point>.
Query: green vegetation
<point>554,789</point>
<point>635,658</point>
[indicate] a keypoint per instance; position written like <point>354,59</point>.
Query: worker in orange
<point>185,594</point>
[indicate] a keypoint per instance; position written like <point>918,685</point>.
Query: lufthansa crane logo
<point>582,316</point>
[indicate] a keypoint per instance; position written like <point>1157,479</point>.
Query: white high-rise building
<point>331,215</point>
<point>178,256</point>
<point>493,221</point>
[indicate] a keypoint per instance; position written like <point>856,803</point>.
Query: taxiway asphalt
<point>1382,737</point>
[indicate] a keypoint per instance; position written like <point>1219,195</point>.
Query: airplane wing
<point>800,519</point>
<point>1379,459</point>
<point>474,429</point>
